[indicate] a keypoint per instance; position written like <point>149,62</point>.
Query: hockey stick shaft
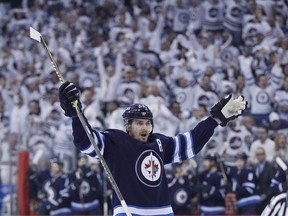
<point>86,128</point>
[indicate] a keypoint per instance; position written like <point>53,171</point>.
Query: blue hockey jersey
<point>138,168</point>
<point>212,193</point>
<point>279,182</point>
<point>84,192</point>
<point>246,191</point>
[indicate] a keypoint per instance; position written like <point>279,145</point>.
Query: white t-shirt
<point>268,145</point>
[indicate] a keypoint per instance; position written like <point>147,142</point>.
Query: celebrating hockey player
<point>137,157</point>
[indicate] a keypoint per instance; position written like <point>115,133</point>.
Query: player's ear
<point>128,128</point>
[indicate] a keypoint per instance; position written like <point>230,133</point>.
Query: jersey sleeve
<point>81,140</point>
<point>188,144</point>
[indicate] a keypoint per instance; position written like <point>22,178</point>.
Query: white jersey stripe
<point>249,184</point>
<point>99,138</point>
<point>212,209</point>
<point>84,205</point>
<point>248,200</point>
<point>165,210</point>
<point>189,147</point>
<point>176,157</point>
<point>88,150</point>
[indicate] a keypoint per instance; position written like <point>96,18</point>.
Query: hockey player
<point>212,188</point>
<point>244,185</point>
<point>137,158</point>
<point>57,190</point>
<point>84,189</point>
<point>181,189</point>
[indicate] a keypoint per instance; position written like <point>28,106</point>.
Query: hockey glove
<point>68,93</point>
<point>228,109</point>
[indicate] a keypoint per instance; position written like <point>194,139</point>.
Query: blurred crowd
<point>178,57</point>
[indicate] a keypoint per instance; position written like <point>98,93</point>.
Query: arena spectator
<point>57,190</point>
<point>276,125</point>
<point>110,76</point>
<point>280,101</point>
<point>262,141</point>
<point>84,189</point>
<point>235,143</point>
<point>264,171</point>
<point>211,188</point>
<point>182,189</point>
<point>244,185</point>
<point>281,146</point>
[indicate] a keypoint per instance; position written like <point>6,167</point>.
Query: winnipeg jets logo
<point>151,167</point>
<point>148,168</point>
<point>84,188</point>
<point>180,197</point>
<point>262,97</point>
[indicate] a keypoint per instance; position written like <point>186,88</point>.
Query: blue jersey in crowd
<point>212,200</point>
<point>246,191</point>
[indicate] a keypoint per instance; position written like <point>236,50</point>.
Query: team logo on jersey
<point>181,97</point>
<point>157,9</point>
<point>146,63</point>
<point>235,142</point>
<point>148,168</point>
<point>213,12</point>
<point>180,197</point>
<point>84,188</point>
<point>183,17</point>
<point>226,55</point>
<point>262,98</point>
<point>235,12</point>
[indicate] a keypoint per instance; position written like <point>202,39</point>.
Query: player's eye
<point>148,124</point>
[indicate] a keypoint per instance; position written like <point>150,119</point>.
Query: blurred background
<point>179,57</point>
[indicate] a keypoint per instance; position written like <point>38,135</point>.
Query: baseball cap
<point>56,160</point>
<point>274,117</point>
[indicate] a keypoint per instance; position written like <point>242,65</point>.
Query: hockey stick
<point>281,164</point>
<point>230,199</point>
<point>35,35</point>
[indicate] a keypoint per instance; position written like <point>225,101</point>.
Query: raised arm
<point>100,62</point>
<point>189,144</point>
<point>67,94</point>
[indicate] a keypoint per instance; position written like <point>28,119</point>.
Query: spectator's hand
<point>207,190</point>
<point>228,109</point>
<point>68,94</point>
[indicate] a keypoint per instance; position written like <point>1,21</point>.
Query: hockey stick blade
<point>35,35</point>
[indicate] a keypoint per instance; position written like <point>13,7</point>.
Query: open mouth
<point>143,135</point>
